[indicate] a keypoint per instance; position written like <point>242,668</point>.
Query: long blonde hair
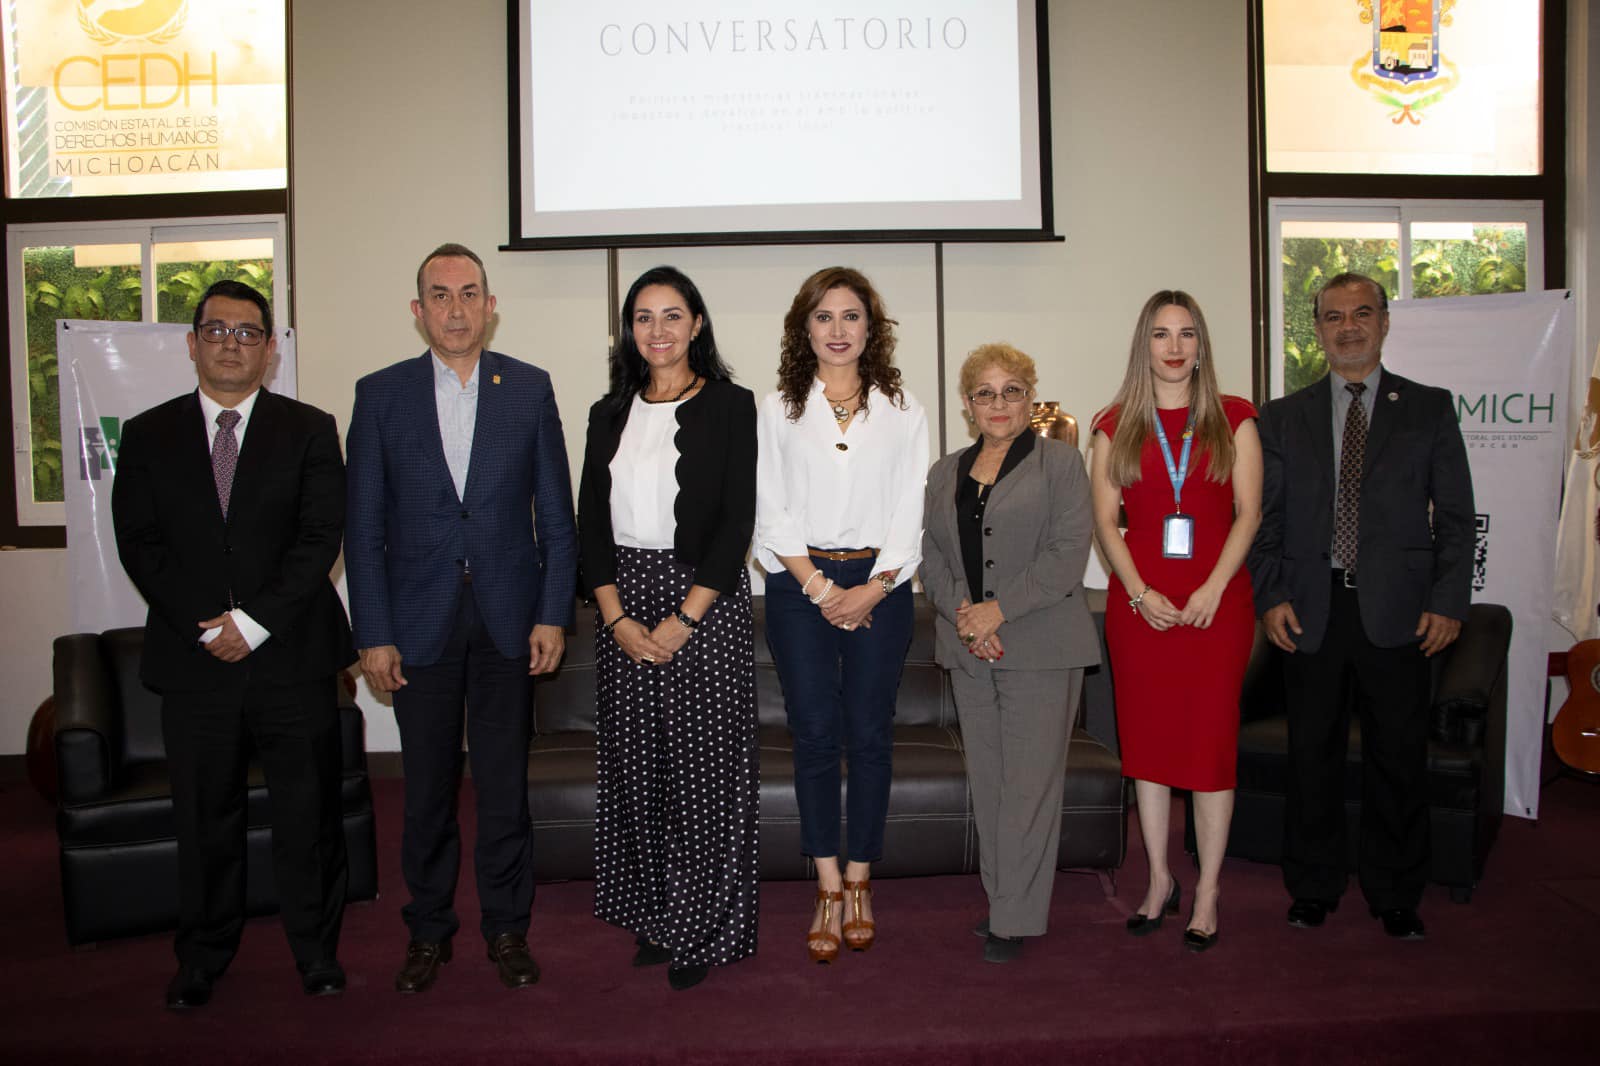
<point>1136,399</point>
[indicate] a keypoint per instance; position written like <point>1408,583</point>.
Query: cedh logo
<point>97,452</point>
<point>110,22</point>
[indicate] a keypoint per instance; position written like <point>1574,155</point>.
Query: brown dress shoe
<point>509,953</point>
<point>421,968</point>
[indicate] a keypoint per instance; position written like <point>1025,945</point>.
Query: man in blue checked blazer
<point>461,557</point>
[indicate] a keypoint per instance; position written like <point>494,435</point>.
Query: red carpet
<point>1507,978</point>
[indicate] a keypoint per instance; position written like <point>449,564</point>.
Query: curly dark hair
<point>797,367</point>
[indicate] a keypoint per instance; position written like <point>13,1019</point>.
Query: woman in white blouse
<point>843,451</point>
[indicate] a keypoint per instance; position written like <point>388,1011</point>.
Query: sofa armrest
<point>1472,684</point>
<point>1471,667</point>
<point>352,727</point>
<point>86,717</point>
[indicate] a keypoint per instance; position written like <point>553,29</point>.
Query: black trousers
<point>1389,689</point>
<point>495,691</point>
<point>209,736</point>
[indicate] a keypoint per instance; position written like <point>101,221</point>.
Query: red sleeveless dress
<point>1177,692</point>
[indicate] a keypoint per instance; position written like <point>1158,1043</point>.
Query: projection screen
<point>705,122</point>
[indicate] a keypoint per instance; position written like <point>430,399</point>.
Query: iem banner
<point>1508,359</point>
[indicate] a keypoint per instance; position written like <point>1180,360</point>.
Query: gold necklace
<point>841,413</point>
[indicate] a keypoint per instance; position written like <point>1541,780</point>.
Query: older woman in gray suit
<point>1007,526</point>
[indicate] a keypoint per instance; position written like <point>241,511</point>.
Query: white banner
<point>111,371</point>
<point>1508,359</point>
<point>1577,593</point>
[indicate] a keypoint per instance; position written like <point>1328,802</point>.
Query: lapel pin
<point>496,380</point>
<point>1393,396</point>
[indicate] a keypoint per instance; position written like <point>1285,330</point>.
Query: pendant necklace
<point>841,413</point>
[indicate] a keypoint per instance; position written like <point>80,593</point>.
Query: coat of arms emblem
<point>1404,70</point>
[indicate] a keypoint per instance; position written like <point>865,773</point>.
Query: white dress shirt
<point>458,418</point>
<point>252,631</point>
<point>644,477</point>
<point>812,493</point>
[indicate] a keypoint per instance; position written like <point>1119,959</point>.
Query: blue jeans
<point>839,690</point>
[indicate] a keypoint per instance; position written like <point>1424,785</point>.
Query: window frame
<point>1403,214</point>
<point>1548,188</point>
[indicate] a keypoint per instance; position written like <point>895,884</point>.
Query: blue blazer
<point>407,533</point>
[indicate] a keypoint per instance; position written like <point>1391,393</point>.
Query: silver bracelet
<point>1137,600</point>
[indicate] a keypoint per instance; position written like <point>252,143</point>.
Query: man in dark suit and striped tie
<point>461,557</point>
<point>1362,570</point>
<point>228,505</point>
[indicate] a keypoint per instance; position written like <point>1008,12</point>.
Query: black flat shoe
<point>999,948</point>
<point>682,977</point>
<point>1196,941</point>
<point>1142,925</point>
<point>1401,923</point>
<point>189,988</point>
<point>649,954</point>
<point>981,930</point>
<point>1310,913</point>
<point>323,978</point>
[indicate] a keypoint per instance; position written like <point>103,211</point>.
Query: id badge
<point>1177,537</point>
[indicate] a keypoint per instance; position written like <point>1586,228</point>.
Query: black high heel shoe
<point>1194,939</point>
<point>1142,925</point>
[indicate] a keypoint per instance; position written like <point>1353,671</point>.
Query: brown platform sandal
<point>859,931</point>
<point>826,902</point>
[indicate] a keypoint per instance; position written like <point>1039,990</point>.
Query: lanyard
<point>1176,472</point>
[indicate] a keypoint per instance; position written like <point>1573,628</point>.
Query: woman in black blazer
<point>666,509</point>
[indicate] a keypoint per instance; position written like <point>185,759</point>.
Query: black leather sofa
<point>119,856</point>
<point>1466,755</point>
<point>930,828</point>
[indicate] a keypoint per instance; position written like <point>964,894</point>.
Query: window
<point>1450,248</point>
<point>122,271</point>
<point>1422,142</point>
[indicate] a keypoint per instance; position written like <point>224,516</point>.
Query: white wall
<point>1150,191</point>
<point>399,130</point>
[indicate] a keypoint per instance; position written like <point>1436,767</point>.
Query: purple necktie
<point>225,456</point>
<point>1352,455</point>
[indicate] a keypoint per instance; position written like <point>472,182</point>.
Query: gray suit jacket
<point>1417,519</point>
<point>1038,526</point>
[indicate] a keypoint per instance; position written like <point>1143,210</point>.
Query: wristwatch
<point>886,580</point>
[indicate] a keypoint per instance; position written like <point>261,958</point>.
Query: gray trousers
<point>1015,725</point>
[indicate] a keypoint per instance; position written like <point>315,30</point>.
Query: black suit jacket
<point>1417,517</point>
<point>716,503</point>
<point>271,557</point>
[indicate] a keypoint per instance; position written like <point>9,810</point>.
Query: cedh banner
<point>1508,359</point>
<point>111,371</point>
<point>112,97</point>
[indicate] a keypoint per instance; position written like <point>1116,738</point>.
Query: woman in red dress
<point>1184,462</point>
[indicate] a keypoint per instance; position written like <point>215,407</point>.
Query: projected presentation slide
<point>703,117</point>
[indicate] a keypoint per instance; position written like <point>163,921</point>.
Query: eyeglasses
<point>1010,394</point>
<point>248,336</point>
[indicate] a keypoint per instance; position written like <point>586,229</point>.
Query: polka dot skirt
<point>678,774</point>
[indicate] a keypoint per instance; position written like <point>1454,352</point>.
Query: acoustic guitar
<point>1575,734</point>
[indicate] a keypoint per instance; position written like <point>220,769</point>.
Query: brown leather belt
<point>841,556</point>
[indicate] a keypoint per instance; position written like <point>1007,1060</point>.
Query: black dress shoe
<point>423,959</point>
<point>509,953</point>
<point>999,948</point>
<point>981,930</point>
<point>650,954</point>
<point>1401,923</point>
<point>682,977</point>
<point>1310,913</point>
<point>1141,925</point>
<point>322,978</point>
<point>189,987</point>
